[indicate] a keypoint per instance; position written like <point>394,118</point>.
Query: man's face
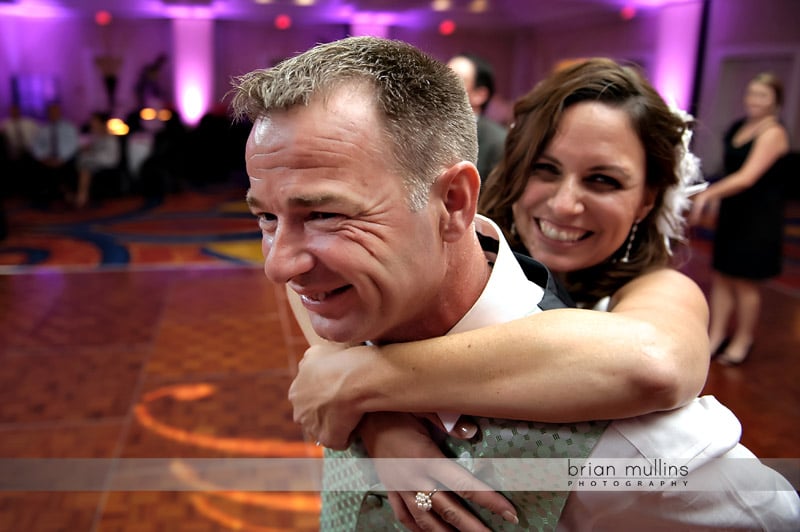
<point>335,220</point>
<point>466,71</point>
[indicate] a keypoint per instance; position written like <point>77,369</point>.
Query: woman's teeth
<point>564,235</point>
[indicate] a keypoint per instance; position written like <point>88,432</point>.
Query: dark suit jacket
<point>491,139</point>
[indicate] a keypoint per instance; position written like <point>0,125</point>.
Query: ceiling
<point>465,13</point>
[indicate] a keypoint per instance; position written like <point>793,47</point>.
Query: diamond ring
<point>423,500</point>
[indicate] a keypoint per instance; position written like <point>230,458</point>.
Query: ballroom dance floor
<point>140,329</point>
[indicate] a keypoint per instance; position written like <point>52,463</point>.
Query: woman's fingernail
<point>511,517</point>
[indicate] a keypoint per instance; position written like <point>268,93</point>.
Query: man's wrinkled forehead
<point>261,127</point>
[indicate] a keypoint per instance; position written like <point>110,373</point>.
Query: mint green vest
<point>368,509</point>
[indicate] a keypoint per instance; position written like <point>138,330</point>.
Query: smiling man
<point>339,229</point>
<point>362,177</point>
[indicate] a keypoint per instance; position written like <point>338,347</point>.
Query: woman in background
<point>748,237</point>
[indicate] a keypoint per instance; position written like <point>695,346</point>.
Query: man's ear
<point>458,187</point>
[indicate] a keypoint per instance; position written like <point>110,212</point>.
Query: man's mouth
<point>319,297</point>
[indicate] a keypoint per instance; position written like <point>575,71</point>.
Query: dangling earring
<point>627,256</point>
<point>513,229</point>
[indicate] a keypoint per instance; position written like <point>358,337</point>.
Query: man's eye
<point>316,215</point>
<point>267,222</point>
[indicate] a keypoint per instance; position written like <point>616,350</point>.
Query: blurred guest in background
<point>19,132</point>
<point>748,235</point>
<point>217,148</point>
<point>478,78</point>
<point>3,166</point>
<point>149,87</point>
<point>54,149</point>
<point>164,170</point>
<point>101,152</point>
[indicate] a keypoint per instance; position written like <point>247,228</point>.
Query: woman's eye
<point>604,181</point>
<point>544,170</point>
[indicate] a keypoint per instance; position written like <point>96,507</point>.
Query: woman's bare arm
<point>649,353</point>
<point>768,147</point>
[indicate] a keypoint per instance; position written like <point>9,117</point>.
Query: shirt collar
<point>508,295</point>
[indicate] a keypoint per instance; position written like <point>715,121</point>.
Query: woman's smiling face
<point>759,100</point>
<point>585,191</point>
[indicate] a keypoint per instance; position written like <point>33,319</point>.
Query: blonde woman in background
<point>748,236</point>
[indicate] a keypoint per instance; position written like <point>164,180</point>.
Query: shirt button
<point>373,501</point>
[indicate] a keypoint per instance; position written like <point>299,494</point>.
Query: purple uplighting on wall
<point>53,48</point>
<point>193,46</point>
<point>29,9</point>
<point>676,51</point>
<point>374,24</point>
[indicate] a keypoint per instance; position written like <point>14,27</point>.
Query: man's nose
<point>286,255</point>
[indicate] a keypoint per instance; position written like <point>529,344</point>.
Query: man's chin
<point>337,331</point>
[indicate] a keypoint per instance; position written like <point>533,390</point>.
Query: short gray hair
<point>427,116</point>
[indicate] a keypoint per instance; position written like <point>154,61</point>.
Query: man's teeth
<point>550,231</point>
<point>322,296</point>
<point>316,297</point>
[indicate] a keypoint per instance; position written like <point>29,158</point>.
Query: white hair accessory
<point>671,221</point>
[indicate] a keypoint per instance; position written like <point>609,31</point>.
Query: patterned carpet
<point>105,366</point>
<point>192,228</point>
<point>140,329</point>
<point>208,228</point>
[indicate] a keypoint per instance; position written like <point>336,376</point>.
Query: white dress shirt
<point>20,134</point>
<point>60,139</point>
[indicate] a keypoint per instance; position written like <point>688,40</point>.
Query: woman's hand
<point>323,399</point>
<point>704,210</point>
<point>326,391</point>
<point>395,435</point>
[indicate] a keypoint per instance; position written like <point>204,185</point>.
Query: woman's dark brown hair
<point>536,119</point>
